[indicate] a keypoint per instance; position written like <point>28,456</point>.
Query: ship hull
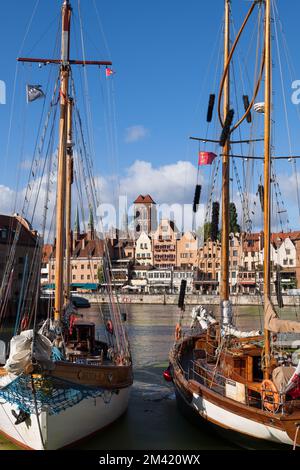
<point>241,422</point>
<point>66,428</point>
<point>244,434</point>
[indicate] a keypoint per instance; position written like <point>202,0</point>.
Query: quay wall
<point>190,299</point>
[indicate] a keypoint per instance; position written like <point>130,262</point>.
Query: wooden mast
<point>267,180</point>
<point>65,64</point>
<point>69,176</point>
<point>225,167</point>
<point>62,150</point>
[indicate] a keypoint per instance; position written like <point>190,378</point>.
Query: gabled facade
<point>164,245</point>
<point>143,250</point>
<point>186,251</point>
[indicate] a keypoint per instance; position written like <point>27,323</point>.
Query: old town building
<point>145,217</point>
<point>187,251</point>
<point>27,244</point>
<point>86,259</point>
<point>143,250</point>
<point>164,241</point>
<point>209,265</point>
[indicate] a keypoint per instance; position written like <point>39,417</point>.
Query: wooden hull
<point>233,418</point>
<point>65,428</point>
<point>108,377</point>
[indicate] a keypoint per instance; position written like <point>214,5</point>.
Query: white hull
<point>67,427</point>
<point>233,422</point>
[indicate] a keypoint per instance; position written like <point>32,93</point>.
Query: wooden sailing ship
<point>51,402</point>
<point>228,378</point>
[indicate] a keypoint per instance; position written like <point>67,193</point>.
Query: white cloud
<point>171,186</point>
<point>135,133</point>
<point>167,184</point>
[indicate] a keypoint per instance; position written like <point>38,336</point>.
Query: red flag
<point>109,72</point>
<point>206,158</point>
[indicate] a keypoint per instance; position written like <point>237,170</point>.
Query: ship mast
<point>63,199</point>
<point>62,152</point>
<point>69,176</point>
<point>225,167</point>
<point>267,180</point>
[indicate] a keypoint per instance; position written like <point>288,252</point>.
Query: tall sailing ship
<point>61,382</point>
<point>240,382</point>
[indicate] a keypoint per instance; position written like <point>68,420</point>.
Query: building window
<point>235,253</point>
<point>287,252</point>
<point>88,277</point>
<point>291,262</point>
<point>285,262</point>
<point>82,277</point>
<point>74,276</point>
<point>82,266</point>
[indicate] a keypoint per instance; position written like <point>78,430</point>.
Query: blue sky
<point>161,52</point>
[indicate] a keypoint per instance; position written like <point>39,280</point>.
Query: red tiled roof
<point>280,236</point>
<point>91,248</point>
<point>144,199</point>
<point>88,249</point>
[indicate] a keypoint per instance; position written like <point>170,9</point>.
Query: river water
<point>153,420</point>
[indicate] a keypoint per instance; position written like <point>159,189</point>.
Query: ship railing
<point>249,395</point>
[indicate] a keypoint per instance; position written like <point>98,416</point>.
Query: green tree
<point>207,230</point>
<point>214,233</point>
<point>233,219</point>
<point>100,275</point>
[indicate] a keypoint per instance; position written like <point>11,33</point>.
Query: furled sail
<point>274,324</point>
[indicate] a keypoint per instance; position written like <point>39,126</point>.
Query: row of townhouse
<point>166,248</point>
<point>246,255</point>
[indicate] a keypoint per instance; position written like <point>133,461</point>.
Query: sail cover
<point>274,324</point>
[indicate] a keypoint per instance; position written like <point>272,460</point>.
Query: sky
<point>166,59</point>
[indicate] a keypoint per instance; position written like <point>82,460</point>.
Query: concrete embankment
<point>190,299</point>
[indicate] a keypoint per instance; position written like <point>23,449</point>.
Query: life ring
<point>109,327</point>
<point>177,332</point>
<point>270,396</point>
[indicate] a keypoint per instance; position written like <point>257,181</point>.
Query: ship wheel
<point>270,396</point>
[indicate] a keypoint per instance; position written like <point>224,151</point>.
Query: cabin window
<point>257,370</point>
